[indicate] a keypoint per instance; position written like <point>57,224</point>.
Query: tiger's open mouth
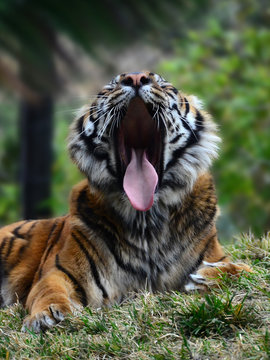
<point>140,144</point>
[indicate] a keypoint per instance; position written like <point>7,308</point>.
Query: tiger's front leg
<point>49,301</point>
<point>210,274</point>
<point>215,264</point>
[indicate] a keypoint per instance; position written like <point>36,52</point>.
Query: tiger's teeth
<point>140,181</point>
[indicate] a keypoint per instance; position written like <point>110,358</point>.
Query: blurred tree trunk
<point>36,130</point>
<point>36,156</point>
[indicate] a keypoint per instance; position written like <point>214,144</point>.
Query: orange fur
<point>104,248</point>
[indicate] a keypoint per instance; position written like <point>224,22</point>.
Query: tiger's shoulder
<point>26,241</point>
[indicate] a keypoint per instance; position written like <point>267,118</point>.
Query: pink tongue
<point>140,181</point>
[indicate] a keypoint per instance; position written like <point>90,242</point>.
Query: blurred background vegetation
<point>56,55</point>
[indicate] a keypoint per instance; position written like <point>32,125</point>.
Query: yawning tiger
<point>143,219</point>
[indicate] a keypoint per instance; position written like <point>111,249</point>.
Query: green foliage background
<point>225,61</point>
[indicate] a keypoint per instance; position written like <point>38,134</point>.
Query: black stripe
<point>92,266</point>
<point>208,243</point>
<point>101,94</point>
<point>16,230</point>
<point>175,107</point>
<point>79,126</point>
<point>115,105</point>
<point>213,236</point>
<point>171,96</point>
<point>32,227</point>
<point>48,239</point>
<point>10,246</point>
<point>198,222</point>
<point>105,140</point>
<point>175,139</point>
<point>175,156</point>
<point>3,245</point>
<point>79,289</point>
<point>185,277</point>
<point>111,242</point>
<point>178,153</point>
<point>116,94</point>
<point>157,94</point>
<point>109,237</point>
<point>222,258</point>
<point>22,248</point>
<point>197,263</point>
<point>187,106</point>
<point>85,209</point>
<point>199,121</point>
<point>211,243</point>
<point>25,292</point>
<point>100,155</point>
<point>49,249</point>
<point>21,251</point>
<point>91,245</point>
<point>74,148</point>
<point>194,136</point>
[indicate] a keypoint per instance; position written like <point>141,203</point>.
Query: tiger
<point>144,217</point>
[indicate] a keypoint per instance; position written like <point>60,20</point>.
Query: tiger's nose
<point>136,79</point>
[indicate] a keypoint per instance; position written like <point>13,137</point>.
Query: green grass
<point>231,322</point>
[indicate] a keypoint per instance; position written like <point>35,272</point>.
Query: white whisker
<point>113,123</point>
<point>100,113</point>
<point>109,117</point>
<point>163,121</point>
<point>74,111</point>
<point>172,119</point>
<point>156,114</point>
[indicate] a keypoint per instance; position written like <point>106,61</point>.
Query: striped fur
<point>104,248</point>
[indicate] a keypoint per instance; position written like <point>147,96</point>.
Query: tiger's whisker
<point>103,129</point>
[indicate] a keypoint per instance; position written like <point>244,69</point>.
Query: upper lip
<point>139,130</point>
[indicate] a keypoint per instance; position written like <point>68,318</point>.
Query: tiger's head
<point>142,142</point>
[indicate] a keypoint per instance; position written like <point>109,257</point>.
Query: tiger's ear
<point>196,102</point>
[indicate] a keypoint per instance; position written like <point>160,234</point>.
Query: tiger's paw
<point>210,274</point>
<point>44,319</point>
